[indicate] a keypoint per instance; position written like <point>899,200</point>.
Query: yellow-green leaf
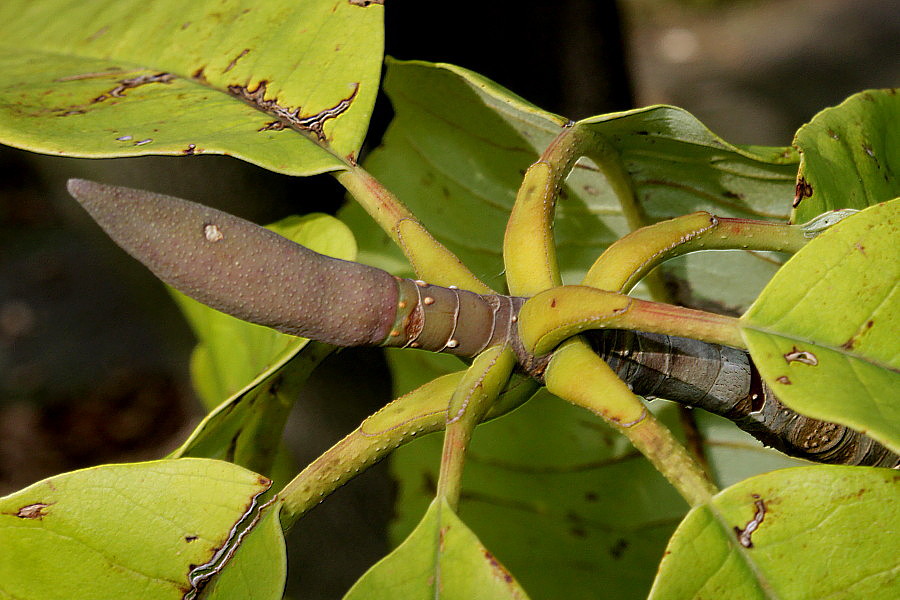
<point>441,559</point>
<point>283,84</point>
<point>824,331</point>
<point>142,530</point>
<point>849,155</point>
<point>804,533</point>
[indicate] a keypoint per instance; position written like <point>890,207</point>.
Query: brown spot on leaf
<point>591,497</point>
<point>801,356</point>
<point>744,535</point>
<point>132,83</point>
<point>497,567</point>
<point>619,548</point>
<point>868,150</point>
<point>190,538</point>
<point>33,511</point>
<point>365,3</point>
<point>860,247</point>
<point>98,34</point>
<point>783,380</point>
<point>802,190</point>
<point>200,75</point>
<point>441,534</point>
<point>234,60</point>
<point>553,303</point>
<point>191,149</point>
<point>290,117</point>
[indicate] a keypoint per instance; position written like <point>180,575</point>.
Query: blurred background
<point>93,354</point>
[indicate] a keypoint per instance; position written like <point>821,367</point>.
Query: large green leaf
<point>129,531</point>
<point>250,375</point>
<point>805,533</point>
<point>824,331</point>
<point>126,77</point>
<point>850,155</point>
<point>441,559</point>
<point>458,146</point>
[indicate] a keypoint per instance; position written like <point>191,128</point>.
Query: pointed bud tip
<point>79,188</point>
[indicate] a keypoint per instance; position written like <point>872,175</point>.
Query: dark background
<point>93,355</point>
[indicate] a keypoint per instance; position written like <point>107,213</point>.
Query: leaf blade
<point>823,331</point>
<point>133,530</point>
<point>857,506</point>
<point>82,79</point>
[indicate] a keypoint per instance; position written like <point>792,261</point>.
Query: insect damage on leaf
<point>200,575</point>
<point>802,190</point>
<point>287,117</point>
<point>234,60</point>
<point>134,82</point>
<point>33,511</point>
<point>744,535</point>
<point>801,356</point>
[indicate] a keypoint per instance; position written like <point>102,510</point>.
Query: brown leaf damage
<point>200,575</point>
<point>801,191</point>
<point>234,60</point>
<point>290,117</point>
<point>801,356</point>
<point>33,511</point>
<point>496,567</point>
<point>744,535</point>
<point>134,82</point>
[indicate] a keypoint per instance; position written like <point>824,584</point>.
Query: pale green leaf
<point>814,533</point>
<point>441,559</point>
<point>849,155</point>
<point>125,78</point>
<point>824,331</point>
<point>123,531</point>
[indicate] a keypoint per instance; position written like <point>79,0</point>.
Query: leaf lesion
<point>287,117</point>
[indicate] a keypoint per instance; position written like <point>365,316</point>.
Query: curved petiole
<point>430,259</point>
<point>419,412</point>
<point>578,375</point>
<point>554,315</point>
<point>529,252</point>
<point>477,391</point>
<point>634,256</point>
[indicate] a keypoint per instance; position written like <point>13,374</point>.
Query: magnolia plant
<point>468,258</point>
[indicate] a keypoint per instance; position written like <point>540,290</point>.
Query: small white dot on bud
<point>420,283</point>
<point>212,233</point>
<point>452,343</point>
<point>428,300</point>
